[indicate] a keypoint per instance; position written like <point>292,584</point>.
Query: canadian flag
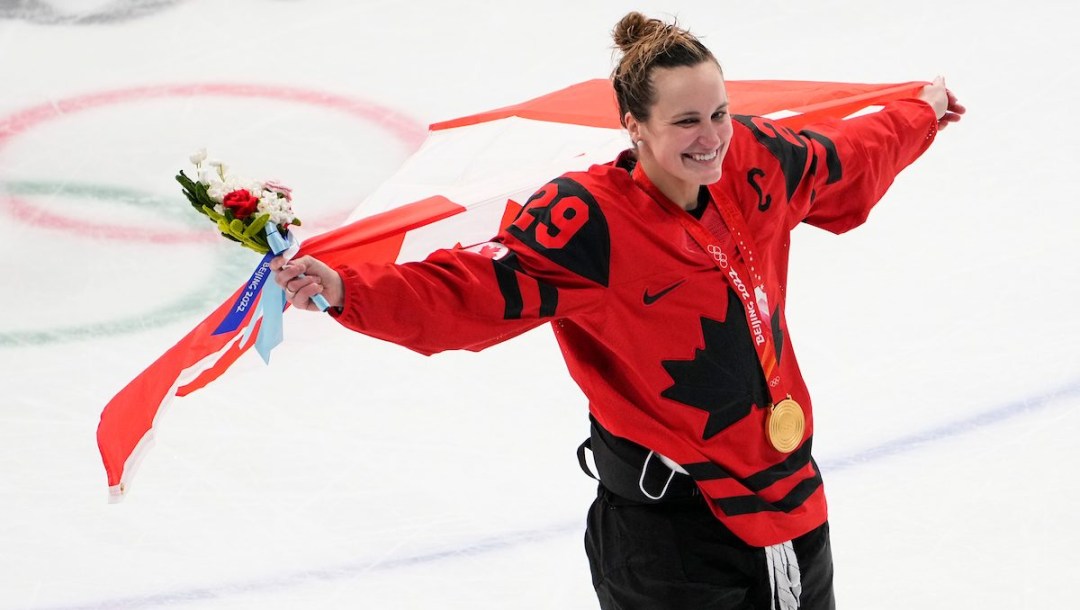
<point>460,187</point>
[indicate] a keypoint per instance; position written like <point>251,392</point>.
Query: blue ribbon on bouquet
<point>270,299</point>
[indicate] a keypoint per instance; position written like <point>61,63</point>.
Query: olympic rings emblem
<point>718,254</point>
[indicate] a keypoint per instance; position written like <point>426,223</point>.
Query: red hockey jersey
<point>651,330</point>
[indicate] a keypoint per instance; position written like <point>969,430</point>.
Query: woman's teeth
<point>708,157</point>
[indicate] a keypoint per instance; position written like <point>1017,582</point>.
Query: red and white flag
<point>462,185</point>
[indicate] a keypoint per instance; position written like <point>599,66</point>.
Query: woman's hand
<point>318,278</point>
<point>943,101</point>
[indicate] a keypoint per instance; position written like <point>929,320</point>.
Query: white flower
<point>198,156</point>
<point>220,209</point>
<point>222,169</point>
<point>277,207</point>
<point>232,184</point>
<point>209,177</point>
<point>217,191</point>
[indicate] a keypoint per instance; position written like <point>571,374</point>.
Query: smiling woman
<point>702,423</point>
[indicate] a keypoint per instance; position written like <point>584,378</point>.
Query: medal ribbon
<point>734,268</point>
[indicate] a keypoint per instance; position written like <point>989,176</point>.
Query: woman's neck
<point>681,193</point>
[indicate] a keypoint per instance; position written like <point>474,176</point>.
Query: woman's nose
<point>709,137</point>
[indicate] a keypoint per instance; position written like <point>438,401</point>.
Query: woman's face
<point>683,144</point>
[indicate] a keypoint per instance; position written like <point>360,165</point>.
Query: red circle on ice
<point>404,129</point>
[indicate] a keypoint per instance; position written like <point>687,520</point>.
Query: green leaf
<point>185,181</point>
<point>192,200</point>
<point>188,188</point>
<point>212,213</point>
<point>257,225</point>
<point>256,247</point>
<point>202,196</point>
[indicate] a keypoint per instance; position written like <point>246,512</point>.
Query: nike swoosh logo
<point>649,299</point>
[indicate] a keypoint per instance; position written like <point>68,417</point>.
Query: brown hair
<point>647,44</point>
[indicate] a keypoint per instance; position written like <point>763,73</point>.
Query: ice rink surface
<point>937,338</point>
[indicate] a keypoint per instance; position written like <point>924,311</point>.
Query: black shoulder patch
<point>789,148</point>
<point>563,222</point>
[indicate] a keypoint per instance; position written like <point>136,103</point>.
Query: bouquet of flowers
<point>241,208</point>
<point>257,215</point>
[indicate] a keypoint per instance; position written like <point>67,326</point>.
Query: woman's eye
<point>687,122</point>
<point>719,115</point>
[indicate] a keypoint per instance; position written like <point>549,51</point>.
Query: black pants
<point>676,555</point>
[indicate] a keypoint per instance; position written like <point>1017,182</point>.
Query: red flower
<point>241,202</point>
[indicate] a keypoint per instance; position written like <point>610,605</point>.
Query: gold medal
<point>785,425</point>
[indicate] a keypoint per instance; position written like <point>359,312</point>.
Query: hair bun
<point>633,28</point>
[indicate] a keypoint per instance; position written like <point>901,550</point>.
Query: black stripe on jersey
<point>745,505</point>
<point>506,275</point>
<point>707,471</point>
<point>778,472</point>
<point>549,299</point>
<point>832,159</point>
